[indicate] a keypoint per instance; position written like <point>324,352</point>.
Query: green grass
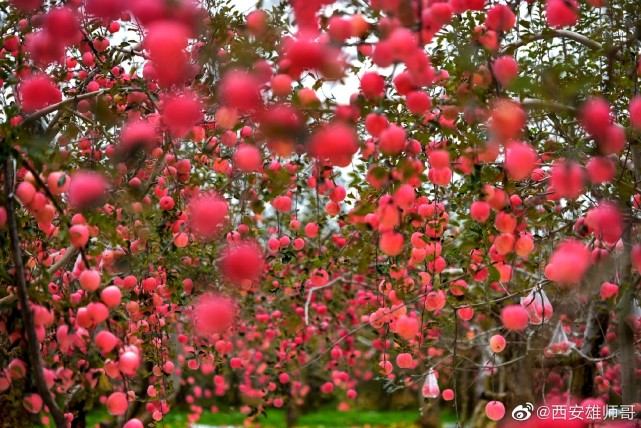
<point>276,418</point>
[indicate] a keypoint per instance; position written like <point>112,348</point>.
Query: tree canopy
<point>208,205</point>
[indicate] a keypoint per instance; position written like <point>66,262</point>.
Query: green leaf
<point>494,274</point>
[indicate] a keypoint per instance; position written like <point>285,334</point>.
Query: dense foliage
<point>266,207</point>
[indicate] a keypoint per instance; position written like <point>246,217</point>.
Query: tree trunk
<point>596,326</point>
<point>430,414</point>
<point>80,419</point>
<point>33,344</point>
<point>518,376</point>
<point>291,415</point>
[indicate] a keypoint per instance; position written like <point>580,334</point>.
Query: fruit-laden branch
<point>33,345</point>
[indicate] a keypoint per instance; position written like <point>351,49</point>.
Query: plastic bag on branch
<point>538,306</point>
<point>634,320</point>
<point>430,387</point>
<point>559,343</point>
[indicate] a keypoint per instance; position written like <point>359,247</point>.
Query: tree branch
<point>531,104</point>
<point>33,345</point>
<point>313,289</point>
<point>45,111</point>
<point>563,34</point>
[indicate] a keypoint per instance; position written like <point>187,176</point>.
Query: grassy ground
<point>276,418</point>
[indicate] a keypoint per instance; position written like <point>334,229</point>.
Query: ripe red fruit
<point>438,14</point>
<point>282,203</point>
<point>129,362</point>
<point>404,360</point>
<point>89,280</point>
<point>166,42</point>
<point>78,235</point>
<point>520,160</point>
<point>383,55</point>
<point>303,53</point>
<point>213,314</point>
<point>561,13</point>
<point>403,83</point>
<point>600,170</point>
<point>507,120</point>
<point>440,176</point>
<point>505,69</point>
<point>465,313</point>
<point>44,49</point>
<point>406,327</point>
<point>372,85</point>
<point>327,388</point>
<point>37,92</point>
<point>609,290</point>
<point>439,158</point>
<point>139,134</point>
<point>337,143</point>
<point>497,343</point>
<point>180,112</point>
<point>339,28</point>
<point>32,403</point>
<point>418,102</point>
<point>117,403</point>
<point>133,423</point>
<point>108,9</point>
<point>515,317</point>
<point>504,243</point>
<point>500,18</point>
<point>111,296</point>
<point>205,214</point>
<point>596,117</point>
<point>106,341</point>
<point>243,262</point>
<point>435,300</point>
<point>524,245</point>
<point>241,90</point>
<point>256,22</point>
<point>375,124</point>
<point>404,197</point>
<point>495,410</point>
<point>25,192</point>
<point>392,140</point>
<point>635,112</point>
<point>613,141</point>
<point>26,5</point>
<point>281,85</point>
<point>606,222</point>
<point>391,243</point>
<point>247,158</point>
<point>87,189</point>
<point>480,211</point>
<point>566,178</point>
<point>62,23</point>
<point>402,43</point>
<point>447,394</point>
<point>569,262</point>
